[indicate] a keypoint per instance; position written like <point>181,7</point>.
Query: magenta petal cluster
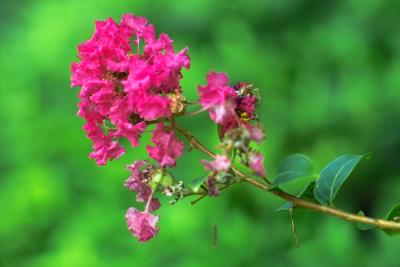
<point>226,105</point>
<point>256,133</point>
<point>122,87</point>
<point>218,97</point>
<point>167,146</point>
<point>138,182</point>
<point>256,163</point>
<point>129,81</point>
<point>141,224</point>
<point>220,163</point>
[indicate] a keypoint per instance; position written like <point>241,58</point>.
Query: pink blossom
<point>141,224</point>
<point>256,163</point>
<point>138,25</point>
<point>212,186</point>
<point>104,148</point>
<point>220,163</point>
<point>230,107</point>
<point>120,86</point>
<point>246,106</point>
<point>154,204</point>
<point>121,111</point>
<point>167,146</point>
<point>103,99</point>
<point>104,151</point>
<point>225,113</point>
<point>138,182</point>
<point>152,107</point>
<point>229,124</point>
<point>136,172</point>
<point>131,131</point>
<point>218,97</point>
<point>246,102</point>
<point>256,132</point>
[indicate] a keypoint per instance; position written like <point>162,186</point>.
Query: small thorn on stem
<point>296,238</point>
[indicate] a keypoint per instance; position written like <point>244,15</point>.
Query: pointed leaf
<point>394,215</point>
<point>362,226</point>
<point>196,183</point>
<point>306,194</point>
<point>292,168</point>
<point>333,176</point>
<point>285,207</point>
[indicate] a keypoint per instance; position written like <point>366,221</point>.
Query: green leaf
<point>333,176</point>
<point>197,183</point>
<point>306,194</point>
<point>393,215</point>
<point>292,168</point>
<point>362,226</point>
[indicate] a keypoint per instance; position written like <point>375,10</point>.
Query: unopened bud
<point>160,179</point>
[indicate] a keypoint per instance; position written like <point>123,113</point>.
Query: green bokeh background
<point>328,73</point>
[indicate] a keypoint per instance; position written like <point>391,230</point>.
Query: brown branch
<point>378,223</point>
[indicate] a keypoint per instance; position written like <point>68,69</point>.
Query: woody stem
<point>378,223</point>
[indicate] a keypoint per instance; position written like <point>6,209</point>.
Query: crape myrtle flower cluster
<point>130,83</point>
<point>124,87</point>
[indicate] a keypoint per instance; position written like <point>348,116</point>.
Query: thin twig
<point>198,199</point>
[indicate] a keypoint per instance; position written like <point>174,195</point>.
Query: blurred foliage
<point>328,71</point>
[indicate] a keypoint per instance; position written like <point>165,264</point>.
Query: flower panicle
<point>130,80</point>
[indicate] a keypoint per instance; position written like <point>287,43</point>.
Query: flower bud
<point>159,179</point>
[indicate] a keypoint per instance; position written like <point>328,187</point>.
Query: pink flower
<point>218,97</point>
<point>256,132</point>
<point>104,151</point>
<point>104,148</point>
<point>256,163</point>
<point>123,87</point>
<point>137,25</point>
<point>141,224</point>
<point>212,186</point>
<point>167,146</point>
<point>247,101</point>
<point>131,131</point>
<point>246,106</point>
<point>152,107</point>
<point>220,163</point>
<point>229,124</point>
<point>230,107</point>
<point>138,182</point>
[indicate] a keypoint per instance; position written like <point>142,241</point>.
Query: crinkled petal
<point>256,163</point>
<point>141,224</point>
<point>220,163</point>
<point>167,146</point>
